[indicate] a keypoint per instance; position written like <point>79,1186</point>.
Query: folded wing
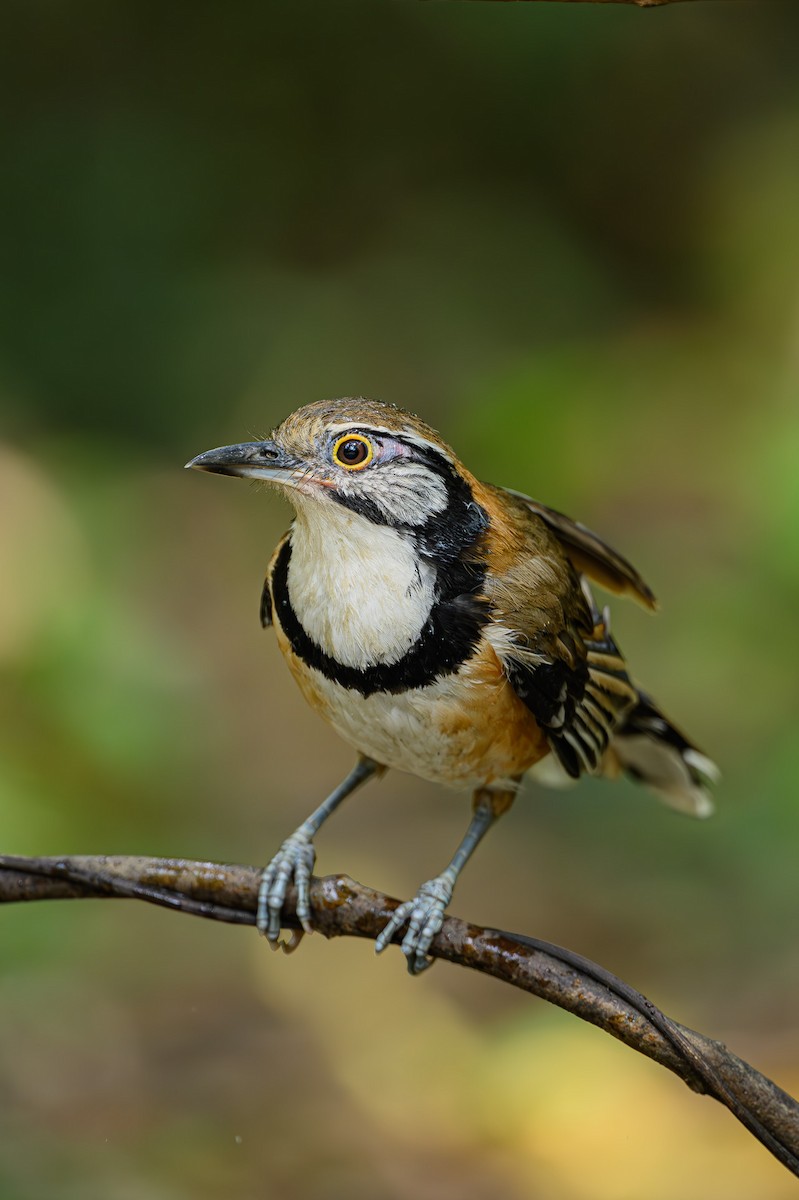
<point>590,555</point>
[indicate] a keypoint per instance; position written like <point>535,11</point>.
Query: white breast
<point>403,731</point>
<point>359,589</point>
<point>460,731</point>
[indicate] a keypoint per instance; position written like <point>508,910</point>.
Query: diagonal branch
<point>636,3</point>
<point>343,908</point>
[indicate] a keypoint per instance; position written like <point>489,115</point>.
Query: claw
<point>290,944</point>
<point>425,916</point>
<point>393,925</point>
<point>294,860</point>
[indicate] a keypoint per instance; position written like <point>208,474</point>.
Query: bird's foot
<point>425,916</point>
<point>294,861</point>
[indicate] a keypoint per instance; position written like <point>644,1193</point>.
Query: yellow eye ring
<point>353,451</point>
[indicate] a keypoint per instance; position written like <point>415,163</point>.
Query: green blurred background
<point>566,235</point>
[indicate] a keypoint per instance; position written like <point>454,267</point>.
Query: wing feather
<point>558,654</point>
<point>591,556</point>
<point>580,705</point>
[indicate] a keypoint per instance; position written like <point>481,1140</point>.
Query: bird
<point>446,628</point>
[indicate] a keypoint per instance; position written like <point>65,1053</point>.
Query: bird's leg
<point>425,912</point>
<point>295,860</point>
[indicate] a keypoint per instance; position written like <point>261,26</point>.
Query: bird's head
<point>378,461</point>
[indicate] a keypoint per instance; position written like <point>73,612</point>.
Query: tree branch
<point>343,908</point>
<point>636,3</point>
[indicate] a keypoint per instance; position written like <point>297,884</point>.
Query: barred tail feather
<point>653,751</point>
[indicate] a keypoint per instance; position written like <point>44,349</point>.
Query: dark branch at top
<point>637,3</point>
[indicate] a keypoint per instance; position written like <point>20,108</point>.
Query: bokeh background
<point>565,234</point>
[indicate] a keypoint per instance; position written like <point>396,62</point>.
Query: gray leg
<point>295,860</point>
<point>425,912</point>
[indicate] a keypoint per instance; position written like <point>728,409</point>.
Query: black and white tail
<point>653,751</point>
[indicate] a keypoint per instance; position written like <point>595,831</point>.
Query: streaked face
<point>378,587</point>
<point>373,459</point>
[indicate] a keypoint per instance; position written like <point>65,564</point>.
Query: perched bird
<point>444,627</point>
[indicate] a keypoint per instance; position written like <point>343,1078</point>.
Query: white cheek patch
<point>405,492</point>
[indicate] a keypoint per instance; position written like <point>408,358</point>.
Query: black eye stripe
<point>443,536</point>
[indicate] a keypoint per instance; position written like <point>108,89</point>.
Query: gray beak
<point>250,460</point>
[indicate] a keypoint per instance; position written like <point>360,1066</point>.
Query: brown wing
<point>576,685</point>
<point>590,555</point>
<point>555,645</point>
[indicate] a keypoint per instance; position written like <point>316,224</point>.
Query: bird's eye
<point>353,451</point>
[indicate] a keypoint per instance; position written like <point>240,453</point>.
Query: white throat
<point>360,590</point>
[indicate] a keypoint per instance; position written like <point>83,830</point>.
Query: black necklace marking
<point>448,639</point>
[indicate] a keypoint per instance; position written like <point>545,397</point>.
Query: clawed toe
<point>425,916</point>
<point>294,861</point>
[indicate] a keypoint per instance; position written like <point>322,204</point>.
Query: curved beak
<point>251,460</point>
